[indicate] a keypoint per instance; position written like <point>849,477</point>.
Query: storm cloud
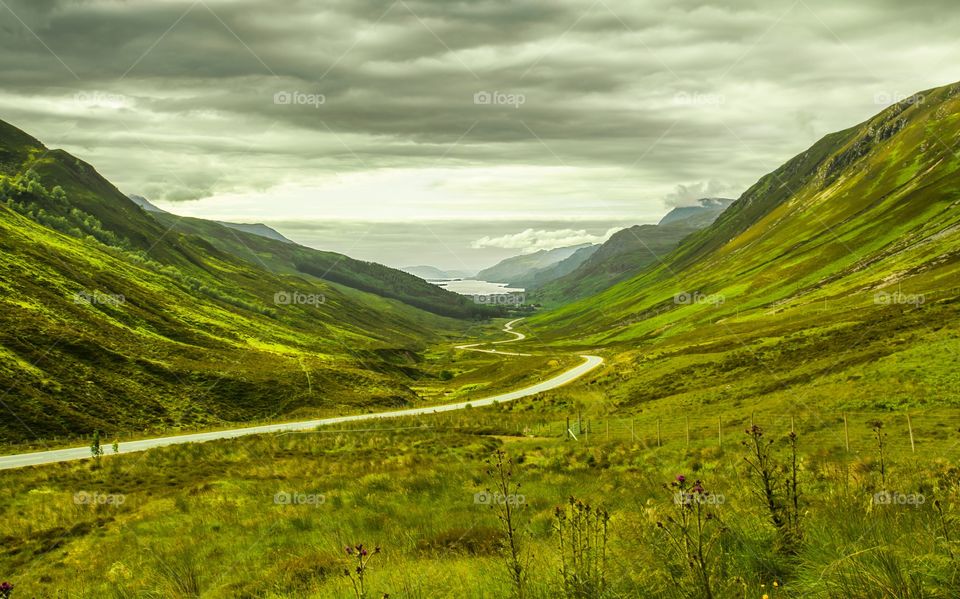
<point>608,111</point>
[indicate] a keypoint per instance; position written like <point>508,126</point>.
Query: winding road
<point>78,453</point>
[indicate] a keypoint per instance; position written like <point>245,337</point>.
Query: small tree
<point>96,450</point>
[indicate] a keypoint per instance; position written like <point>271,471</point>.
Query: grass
<point>411,491</point>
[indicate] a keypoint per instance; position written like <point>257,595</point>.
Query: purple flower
<point>681,478</point>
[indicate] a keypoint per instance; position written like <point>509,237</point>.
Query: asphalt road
<point>79,453</point>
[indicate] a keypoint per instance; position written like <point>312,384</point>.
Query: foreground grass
<point>204,520</point>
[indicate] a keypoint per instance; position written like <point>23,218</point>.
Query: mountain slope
<point>112,322</point>
<point>628,252</point>
<point>542,276</point>
<point>525,265</point>
<point>842,265</point>
<point>291,258</point>
<point>862,208</point>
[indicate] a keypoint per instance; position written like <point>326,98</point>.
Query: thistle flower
<point>681,479</point>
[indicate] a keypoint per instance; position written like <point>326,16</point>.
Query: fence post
<point>913,448</point>
<point>846,432</point>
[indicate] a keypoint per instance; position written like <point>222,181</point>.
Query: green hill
<point>840,266</point>
<point>628,252</point>
<point>284,257</point>
<point>112,321</point>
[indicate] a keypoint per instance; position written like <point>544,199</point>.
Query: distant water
<point>471,287</point>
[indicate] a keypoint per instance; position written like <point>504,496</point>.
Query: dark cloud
<point>639,104</point>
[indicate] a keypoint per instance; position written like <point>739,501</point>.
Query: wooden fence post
<point>846,432</point>
<point>913,448</point>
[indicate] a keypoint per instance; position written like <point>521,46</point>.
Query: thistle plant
<point>777,485</point>
<point>361,557</point>
<point>500,473</point>
<point>582,535</point>
<point>6,590</point>
<point>692,531</point>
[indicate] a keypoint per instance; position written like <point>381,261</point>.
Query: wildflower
<point>6,589</point>
<point>776,584</point>
<point>681,479</point>
<point>765,596</point>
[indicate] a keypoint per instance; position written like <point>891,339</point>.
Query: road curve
<point>79,453</point>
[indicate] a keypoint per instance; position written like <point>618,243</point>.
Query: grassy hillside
<point>627,253</point>
<point>111,321</point>
<point>290,258</point>
<point>841,267</point>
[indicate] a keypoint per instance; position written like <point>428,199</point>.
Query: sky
<point>455,133</point>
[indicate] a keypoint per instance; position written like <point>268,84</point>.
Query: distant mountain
<point>432,273</point>
<point>525,265</point>
<point>540,277</point>
<point>628,252</point>
<point>701,214</point>
<point>144,203</point>
<point>256,229</point>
